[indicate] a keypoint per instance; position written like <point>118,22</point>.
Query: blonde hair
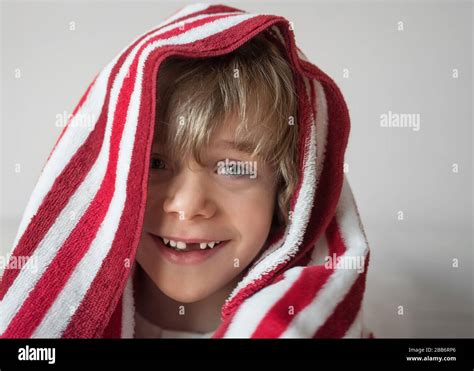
<point>255,84</point>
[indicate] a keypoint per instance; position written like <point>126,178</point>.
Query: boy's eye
<point>230,174</point>
<point>229,171</point>
<point>233,170</point>
<point>157,163</point>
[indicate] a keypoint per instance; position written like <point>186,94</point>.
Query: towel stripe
<point>293,302</point>
<point>296,299</point>
<point>250,313</point>
<point>341,318</point>
<point>343,242</point>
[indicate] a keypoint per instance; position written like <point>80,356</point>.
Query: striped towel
<point>85,215</point>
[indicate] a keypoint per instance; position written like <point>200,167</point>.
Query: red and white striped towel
<point>85,215</point>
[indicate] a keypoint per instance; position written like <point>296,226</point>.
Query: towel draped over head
<point>83,222</point>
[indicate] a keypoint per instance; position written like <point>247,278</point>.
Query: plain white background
<point>390,169</point>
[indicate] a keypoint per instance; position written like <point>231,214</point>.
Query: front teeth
<point>182,245</point>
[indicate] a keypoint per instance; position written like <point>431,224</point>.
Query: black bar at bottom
<point>34,353</point>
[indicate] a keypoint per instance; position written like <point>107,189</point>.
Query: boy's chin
<point>185,295</point>
<point>188,299</point>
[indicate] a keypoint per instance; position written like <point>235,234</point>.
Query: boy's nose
<point>187,197</point>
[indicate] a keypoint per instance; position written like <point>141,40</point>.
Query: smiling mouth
<point>182,246</point>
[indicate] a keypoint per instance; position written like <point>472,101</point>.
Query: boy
<point>232,107</point>
<point>208,198</point>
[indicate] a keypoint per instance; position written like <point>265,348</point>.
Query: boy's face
<point>187,201</point>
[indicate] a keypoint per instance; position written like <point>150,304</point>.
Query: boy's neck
<point>202,316</point>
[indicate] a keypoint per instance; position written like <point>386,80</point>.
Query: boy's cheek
<point>153,209</point>
<point>252,219</point>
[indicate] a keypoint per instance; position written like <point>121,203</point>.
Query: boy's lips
<point>192,254</point>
